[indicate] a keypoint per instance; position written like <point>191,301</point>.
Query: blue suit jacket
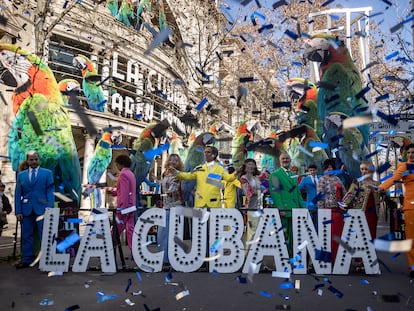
<point>34,196</point>
<point>310,188</point>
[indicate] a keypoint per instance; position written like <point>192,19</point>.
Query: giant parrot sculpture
<point>143,5</point>
<point>347,144</point>
<point>42,122</point>
<point>243,137</point>
<point>309,152</point>
<point>102,157</point>
<point>195,157</point>
<point>126,13</point>
<point>91,83</point>
<point>176,145</point>
<point>68,87</point>
<point>340,81</point>
<point>305,94</point>
<point>112,6</point>
<point>146,142</point>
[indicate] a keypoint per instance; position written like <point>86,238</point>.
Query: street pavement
<point>31,289</point>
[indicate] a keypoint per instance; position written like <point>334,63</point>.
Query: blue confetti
<point>68,242</point>
<point>286,285</point>
<point>74,220</point>
<point>291,34</point>
<point>386,177</point>
<point>202,103</point>
<point>391,55</point>
<point>318,144</point>
<point>336,292</point>
<point>265,294</point>
<point>128,285</point>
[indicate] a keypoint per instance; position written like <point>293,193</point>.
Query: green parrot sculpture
<point>112,6</point>
<point>340,81</point>
<point>126,13</point>
<point>91,83</point>
<point>146,142</point>
<point>68,87</point>
<point>241,140</point>
<point>143,5</point>
<point>305,94</point>
<point>42,122</point>
<point>347,144</point>
<point>102,157</point>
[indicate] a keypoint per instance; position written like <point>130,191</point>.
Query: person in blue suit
<point>33,193</point>
<point>308,184</point>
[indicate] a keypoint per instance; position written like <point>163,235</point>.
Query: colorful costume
<point>126,197</point>
<point>252,191</point>
<point>405,173</point>
<point>207,194</point>
<point>332,190</point>
<point>362,196</point>
<point>286,195</point>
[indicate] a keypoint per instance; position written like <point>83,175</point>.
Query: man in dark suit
<point>33,193</point>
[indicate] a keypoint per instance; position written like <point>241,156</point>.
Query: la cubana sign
<point>225,233</point>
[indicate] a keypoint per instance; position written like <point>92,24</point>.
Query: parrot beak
<point>6,77</point>
<point>79,63</point>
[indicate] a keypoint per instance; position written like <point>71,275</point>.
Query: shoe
<point>412,274</point>
<point>22,265</point>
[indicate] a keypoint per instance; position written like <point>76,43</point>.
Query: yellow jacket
<point>207,194</point>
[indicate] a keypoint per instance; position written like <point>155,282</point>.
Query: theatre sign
<point>148,84</point>
<point>133,87</point>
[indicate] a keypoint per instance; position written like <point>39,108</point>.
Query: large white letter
<point>143,257</point>
<point>356,240</point>
<point>305,238</point>
<point>271,242</point>
<point>182,257</point>
<point>96,242</point>
<point>226,230</point>
<point>50,260</point>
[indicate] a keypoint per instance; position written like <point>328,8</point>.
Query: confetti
<point>393,246</point>
<point>182,294</point>
<point>283,275</point>
<point>68,242</point>
<point>265,294</point>
<point>159,39</point>
<point>129,302</point>
<point>336,292</point>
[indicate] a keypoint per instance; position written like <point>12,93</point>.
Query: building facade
<point>139,88</point>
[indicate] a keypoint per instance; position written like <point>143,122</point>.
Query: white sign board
<point>401,126</point>
<point>385,138</point>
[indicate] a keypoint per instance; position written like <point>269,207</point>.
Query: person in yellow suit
<point>230,191</point>
<point>405,172</point>
<point>209,180</point>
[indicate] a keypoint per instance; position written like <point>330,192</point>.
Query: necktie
<point>33,176</point>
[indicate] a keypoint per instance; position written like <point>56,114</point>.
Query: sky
<point>392,14</point>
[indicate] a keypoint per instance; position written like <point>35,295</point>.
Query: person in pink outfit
<point>126,198</point>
